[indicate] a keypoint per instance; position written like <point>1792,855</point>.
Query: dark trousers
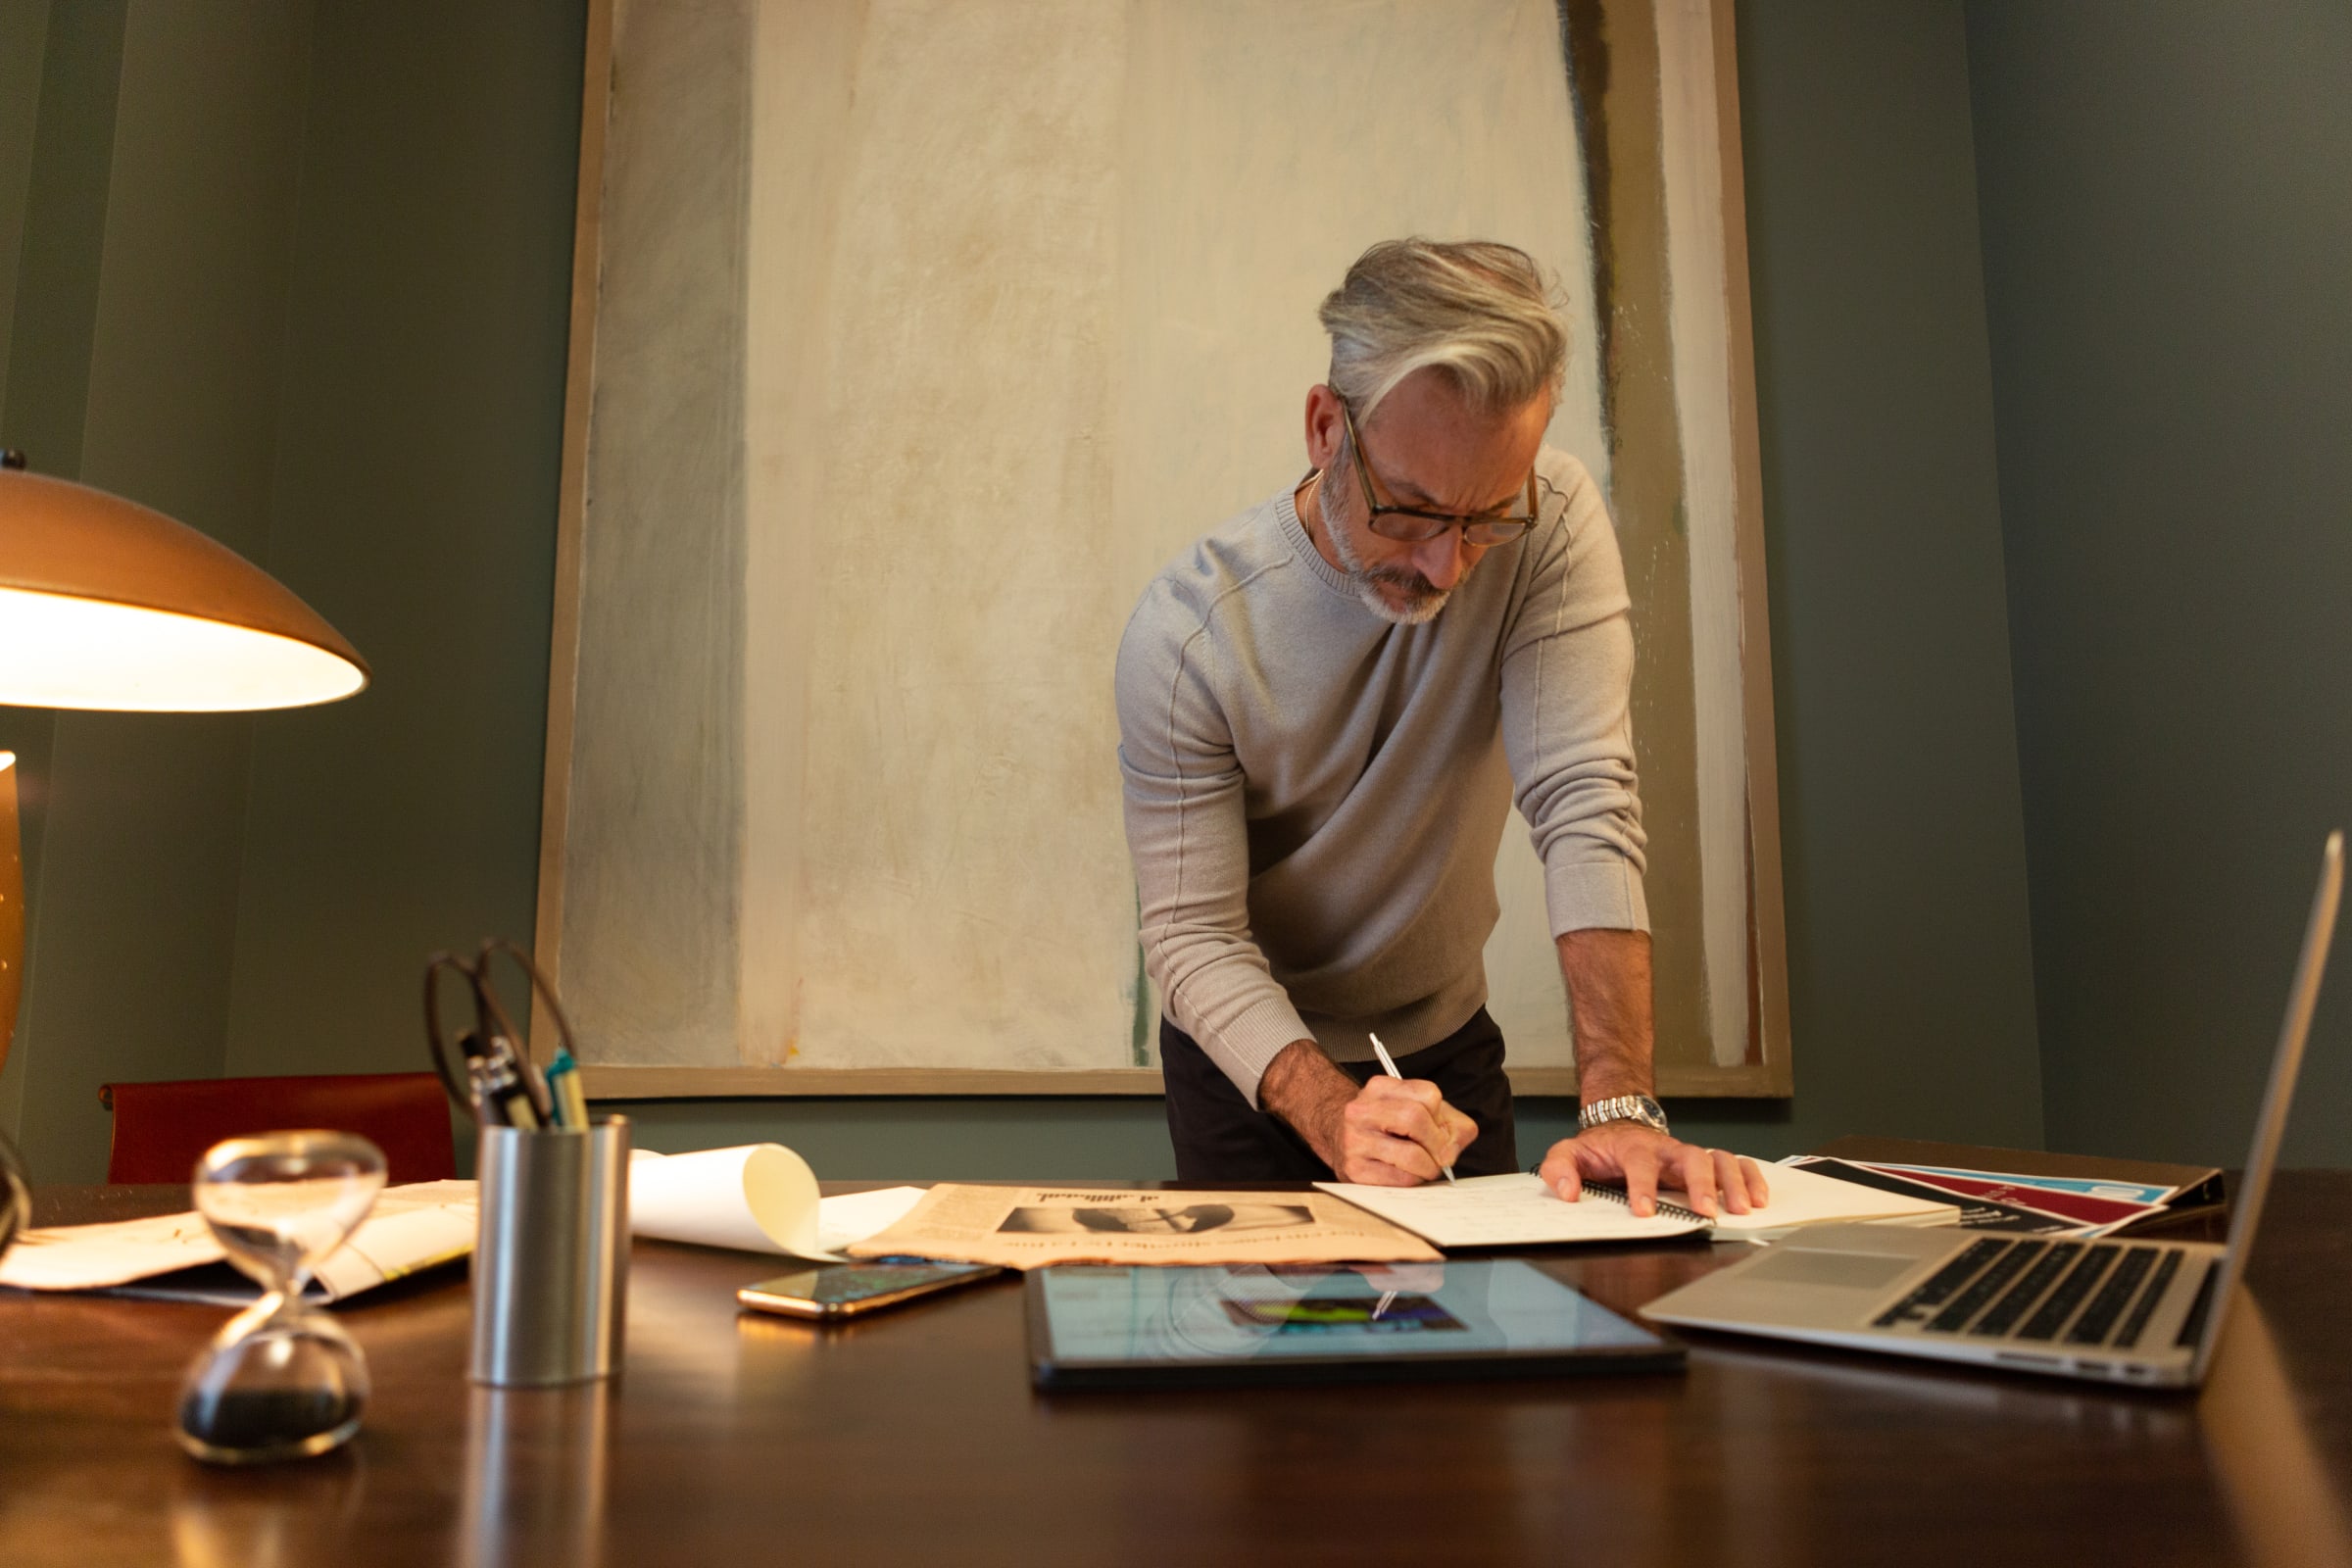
<point>1219,1137</point>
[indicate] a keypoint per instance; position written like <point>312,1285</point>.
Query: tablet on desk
<point>1092,1327</point>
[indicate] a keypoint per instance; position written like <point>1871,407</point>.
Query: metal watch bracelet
<point>1623,1107</point>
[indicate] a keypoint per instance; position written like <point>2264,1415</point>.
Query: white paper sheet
<point>852,1217</point>
<point>1521,1211</point>
<point>1516,1210</point>
<point>409,1228</point>
<point>759,1197</point>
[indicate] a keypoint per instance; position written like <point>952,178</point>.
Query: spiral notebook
<point>1520,1210</point>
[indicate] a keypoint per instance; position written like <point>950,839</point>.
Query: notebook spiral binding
<point>1617,1194</point>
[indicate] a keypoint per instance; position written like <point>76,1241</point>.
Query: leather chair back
<point>160,1130</point>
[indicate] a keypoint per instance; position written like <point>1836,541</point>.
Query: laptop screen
<point>2286,1063</point>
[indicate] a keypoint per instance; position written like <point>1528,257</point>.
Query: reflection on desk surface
<point>914,1437</point>
<point>535,1467</point>
<point>2287,1506</point>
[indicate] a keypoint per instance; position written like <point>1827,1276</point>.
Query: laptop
<point>2119,1311</point>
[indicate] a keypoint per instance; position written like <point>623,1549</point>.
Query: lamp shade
<point>105,604</point>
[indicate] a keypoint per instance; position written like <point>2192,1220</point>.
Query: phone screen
<point>855,1282</point>
<point>842,1286</point>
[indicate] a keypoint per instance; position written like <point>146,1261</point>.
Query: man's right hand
<point>1390,1133</point>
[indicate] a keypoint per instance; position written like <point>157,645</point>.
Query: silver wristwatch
<point>1623,1107</point>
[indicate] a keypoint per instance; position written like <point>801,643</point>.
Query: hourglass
<point>282,1380</point>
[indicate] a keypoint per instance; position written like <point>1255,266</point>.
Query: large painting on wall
<point>913,337</point>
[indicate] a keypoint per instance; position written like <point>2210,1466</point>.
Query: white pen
<point>1390,1062</point>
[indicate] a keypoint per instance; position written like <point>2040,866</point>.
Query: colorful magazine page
<point>2192,1186</point>
<point>2105,1213</point>
<point>1976,1213</point>
<point>2147,1192</point>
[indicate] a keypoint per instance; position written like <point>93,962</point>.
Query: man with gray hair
<point>1324,708</point>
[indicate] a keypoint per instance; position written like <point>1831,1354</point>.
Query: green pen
<point>564,1089</point>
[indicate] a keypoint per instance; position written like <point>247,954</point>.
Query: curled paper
<point>761,1198</point>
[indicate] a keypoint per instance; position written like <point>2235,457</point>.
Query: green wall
<point>298,275</point>
<point>414,503</point>
<point>26,732</point>
<point>1910,979</point>
<point>149,312</point>
<point>410,423</point>
<point>2168,233</point>
<point>24,24</point>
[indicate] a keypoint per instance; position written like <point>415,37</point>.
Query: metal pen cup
<point>550,1261</point>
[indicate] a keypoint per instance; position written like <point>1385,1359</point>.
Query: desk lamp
<point>105,604</point>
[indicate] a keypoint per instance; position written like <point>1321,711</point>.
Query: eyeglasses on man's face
<point>1410,525</point>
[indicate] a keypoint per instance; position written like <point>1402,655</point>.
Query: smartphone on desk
<point>837,1291</point>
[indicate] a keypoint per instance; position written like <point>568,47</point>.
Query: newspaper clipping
<point>1031,1227</point>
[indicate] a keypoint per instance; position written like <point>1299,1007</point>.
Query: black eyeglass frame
<point>492,1021</point>
<point>1477,531</point>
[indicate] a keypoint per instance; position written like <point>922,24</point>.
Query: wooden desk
<point>915,1439</point>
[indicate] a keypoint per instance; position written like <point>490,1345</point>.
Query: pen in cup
<point>1389,1063</point>
<point>503,1098</point>
<point>564,1089</point>
<point>485,1069</point>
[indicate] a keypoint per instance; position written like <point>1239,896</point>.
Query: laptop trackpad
<point>1868,1271</point>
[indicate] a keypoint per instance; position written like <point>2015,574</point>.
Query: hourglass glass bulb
<point>282,1380</point>
<point>280,1229</point>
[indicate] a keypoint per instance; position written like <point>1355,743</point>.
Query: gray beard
<point>1426,601</point>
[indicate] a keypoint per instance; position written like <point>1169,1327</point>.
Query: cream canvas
<point>923,333</point>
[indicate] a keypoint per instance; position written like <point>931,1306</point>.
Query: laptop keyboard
<point>2098,1319</point>
<point>2050,1318</point>
<point>2166,1268</point>
<point>2090,1292</point>
<point>2012,1306</point>
<point>2006,1267</point>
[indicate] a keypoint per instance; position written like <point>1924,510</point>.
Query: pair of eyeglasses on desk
<point>485,1068</point>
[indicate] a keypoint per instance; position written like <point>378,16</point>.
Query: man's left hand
<point>1643,1159</point>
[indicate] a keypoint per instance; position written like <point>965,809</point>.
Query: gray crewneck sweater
<point>1314,796</point>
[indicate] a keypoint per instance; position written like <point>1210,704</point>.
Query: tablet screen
<point>1320,1321</point>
